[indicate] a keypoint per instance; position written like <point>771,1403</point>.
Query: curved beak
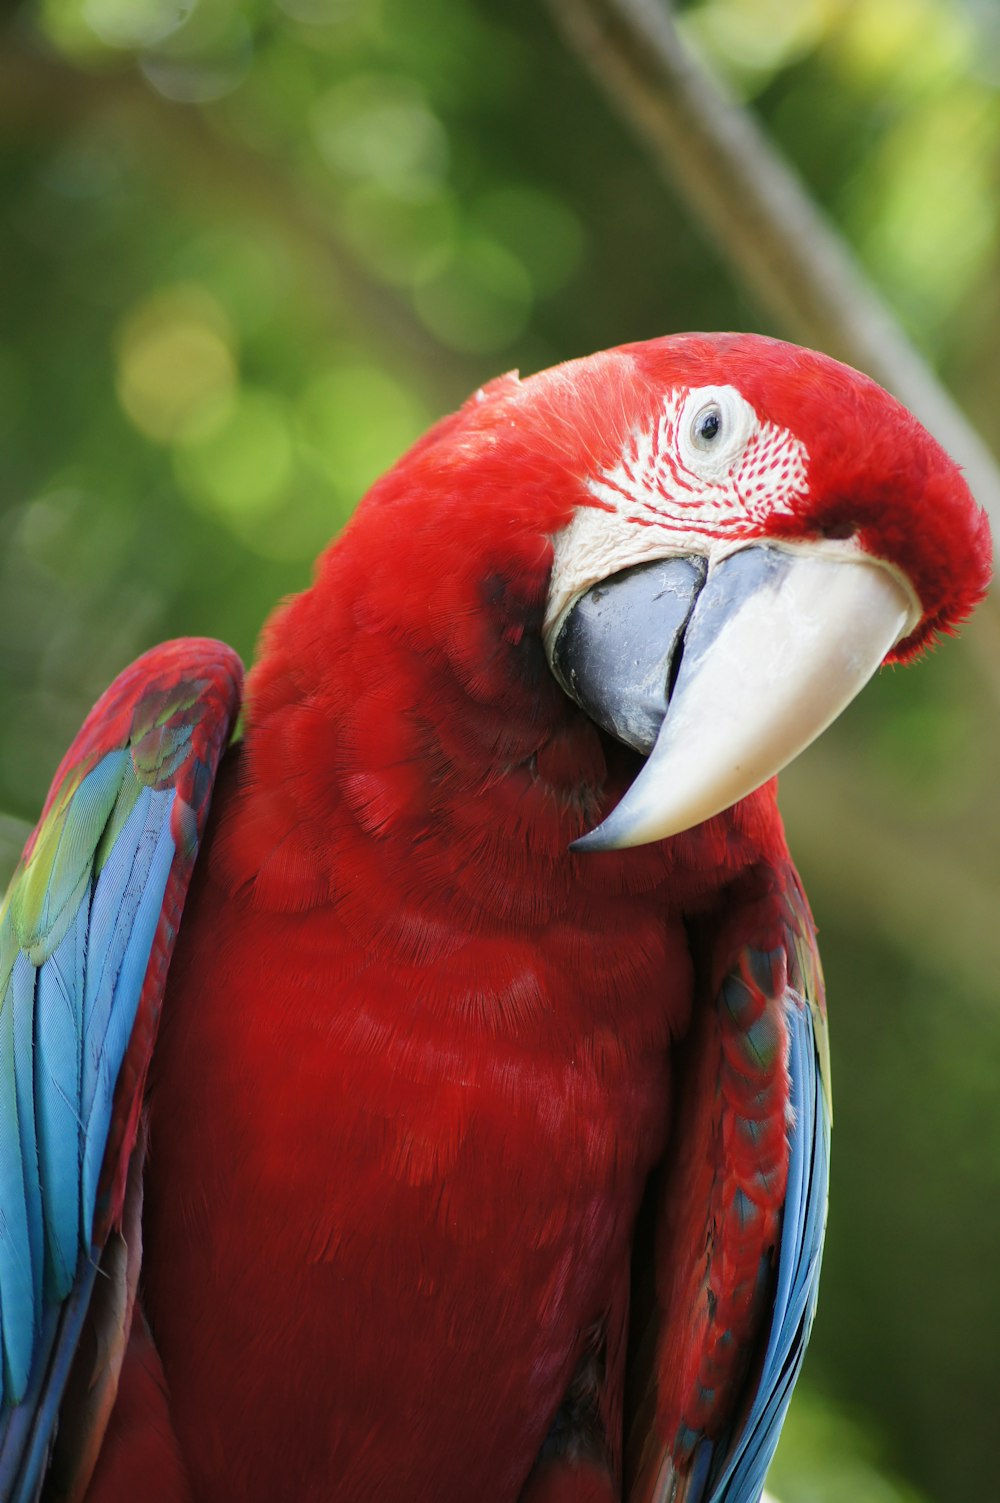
<point>767,652</point>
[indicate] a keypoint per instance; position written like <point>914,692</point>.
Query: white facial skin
<point>689,484</point>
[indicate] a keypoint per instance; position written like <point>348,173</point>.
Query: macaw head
<point>773,529</point>
<point>708,542</point>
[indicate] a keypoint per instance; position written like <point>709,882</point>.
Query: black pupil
<point>709,425</point>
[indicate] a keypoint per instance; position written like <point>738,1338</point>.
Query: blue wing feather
<point>85,933</point>
<point>17,1297</point>
<point>26,1432</point>
<point>121,924</point>
<point>132,886</point>
<point>23,1006</point>
<point>58,1071</point>
<point>741,1478</point>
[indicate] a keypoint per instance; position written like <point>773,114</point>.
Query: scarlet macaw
<point>483,1150</point>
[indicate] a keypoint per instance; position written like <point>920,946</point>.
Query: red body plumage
<point>415,1065</point>
<point>435,1064</point>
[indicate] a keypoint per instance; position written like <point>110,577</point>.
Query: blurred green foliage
<point>251,249</point>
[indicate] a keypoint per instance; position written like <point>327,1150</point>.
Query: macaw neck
<point>455,778</point>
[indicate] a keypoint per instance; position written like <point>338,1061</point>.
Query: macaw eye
<point>707,426</point>
<point>714,427</point>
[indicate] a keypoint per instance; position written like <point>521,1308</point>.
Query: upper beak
<point>724,679</point>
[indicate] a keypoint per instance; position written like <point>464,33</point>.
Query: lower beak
<point>724,679</point>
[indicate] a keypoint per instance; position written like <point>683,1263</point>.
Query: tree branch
<point>783,250</point>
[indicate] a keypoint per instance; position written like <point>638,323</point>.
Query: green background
<point>249,251</point>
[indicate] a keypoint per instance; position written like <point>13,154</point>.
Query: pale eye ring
<point>714,426</point>
<point>707,427</point>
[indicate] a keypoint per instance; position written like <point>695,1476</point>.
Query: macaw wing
<point>741,1219</point>
<point>86,933</point>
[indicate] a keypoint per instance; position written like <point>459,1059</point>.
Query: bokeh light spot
<point>403,240</point>
<point>536,227</point>
<point>353,421</point>
<point>199,78</point>
<point>936,206</point>
<point>381,129</point>
<point>753,39</point>
<point>479,301</point>
<point>175,353</point>
<point>903,46</point>
<point>238,462</point>
<point>320,12</point>
<point>136,23</point>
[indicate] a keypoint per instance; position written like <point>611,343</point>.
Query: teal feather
<point>124,915</point>
<point>17,1293</point>
<point>54,880</point>
<point>23,980</point>
<point>58,1071</point>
